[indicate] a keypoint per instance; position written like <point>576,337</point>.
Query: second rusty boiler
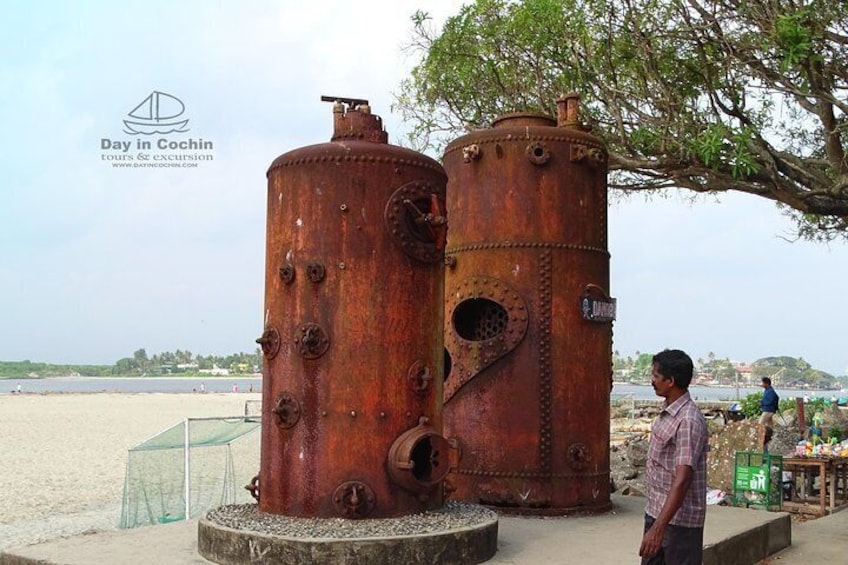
<point>353,347</point>
<point>528,329</point>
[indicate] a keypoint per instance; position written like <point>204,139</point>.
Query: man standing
<point>768,404</point>
<point>676,477</point>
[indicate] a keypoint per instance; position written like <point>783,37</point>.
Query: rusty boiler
<point>528,318</point>
<point>353,345</point>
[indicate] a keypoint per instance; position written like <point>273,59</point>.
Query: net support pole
<point>187,485</point>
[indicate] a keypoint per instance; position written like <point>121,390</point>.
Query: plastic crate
<point>758,480</point>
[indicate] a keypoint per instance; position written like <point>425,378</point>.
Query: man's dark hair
<point>675,364</point>
<point>766,380</point>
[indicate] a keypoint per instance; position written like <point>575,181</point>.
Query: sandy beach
<point>63,456</point>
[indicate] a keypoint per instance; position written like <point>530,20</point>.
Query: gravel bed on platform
<point>454,515</point>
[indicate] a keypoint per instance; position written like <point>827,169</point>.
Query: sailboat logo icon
<point>158,113</point>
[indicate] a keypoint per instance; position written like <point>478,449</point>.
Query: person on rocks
<point>768,404</point>
<point>676,469</point>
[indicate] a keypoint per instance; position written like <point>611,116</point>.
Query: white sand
<point>63,456</point>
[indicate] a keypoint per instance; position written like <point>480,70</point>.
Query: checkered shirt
<point>679,436</point>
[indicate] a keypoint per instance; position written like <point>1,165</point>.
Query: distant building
<point>215,370</point>
<point>746,373</point>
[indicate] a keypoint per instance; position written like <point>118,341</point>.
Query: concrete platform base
<point>732,536</point>
<point>459,534</point>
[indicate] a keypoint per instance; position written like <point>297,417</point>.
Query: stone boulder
<point>746,435</point>
<point>627,466</point>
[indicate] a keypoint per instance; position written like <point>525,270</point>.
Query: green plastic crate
<point>758,480</point>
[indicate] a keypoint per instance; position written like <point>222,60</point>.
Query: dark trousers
<point>680,546</point>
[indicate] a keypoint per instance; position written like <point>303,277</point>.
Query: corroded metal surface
<point>527,395</point>
<point>353,317</point>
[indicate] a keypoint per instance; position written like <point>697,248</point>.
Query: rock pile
<point>630,438</point>
<point>627,466</point>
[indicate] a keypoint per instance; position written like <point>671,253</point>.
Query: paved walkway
<point>824,540</point>
<point>612,538</point>
<point>732,537</point>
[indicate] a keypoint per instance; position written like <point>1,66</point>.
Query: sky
<point>97,260</point>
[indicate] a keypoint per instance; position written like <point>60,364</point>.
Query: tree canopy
<point>705,95</point>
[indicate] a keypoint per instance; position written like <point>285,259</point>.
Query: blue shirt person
<point>768,404</point>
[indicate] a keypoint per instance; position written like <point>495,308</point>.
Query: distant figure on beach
<point>676,471</point>
<point>235,387</point>
<point>202,388</point>
<point>768,404</point>
<point>18,389</point>
<point>251,387</point>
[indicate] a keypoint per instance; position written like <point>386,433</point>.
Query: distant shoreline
<point>147,377</point>
<point>167,384</point>
<point>732,387</point>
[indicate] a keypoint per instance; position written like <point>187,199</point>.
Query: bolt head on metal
<point>316,272</point>
<point>287,273</point>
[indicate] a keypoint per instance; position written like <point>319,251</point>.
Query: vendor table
<point>832,492</point>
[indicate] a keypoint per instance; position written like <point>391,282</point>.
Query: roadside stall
<point>815,476</point>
